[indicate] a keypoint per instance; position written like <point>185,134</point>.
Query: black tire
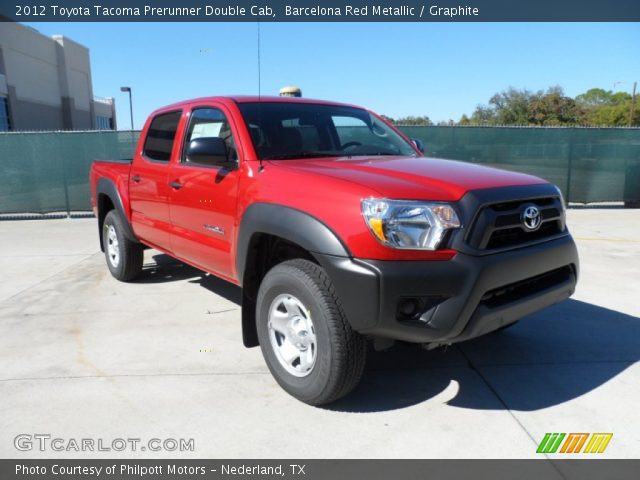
<point>340,352</point>
<point>129,262</point>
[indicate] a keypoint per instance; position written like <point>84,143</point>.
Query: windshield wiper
<point>289,156</point>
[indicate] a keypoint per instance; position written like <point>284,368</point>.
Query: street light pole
<point>128,89</point>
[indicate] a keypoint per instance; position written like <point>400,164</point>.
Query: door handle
<point>136,178</point>
<point>175,184</point>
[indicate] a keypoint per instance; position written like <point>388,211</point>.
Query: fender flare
<point>107,187</point>
<point>290,224</point>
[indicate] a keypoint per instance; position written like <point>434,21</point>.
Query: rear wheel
<point>305,338</point>
<point>124,257</point>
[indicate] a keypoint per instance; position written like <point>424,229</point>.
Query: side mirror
<point>418,143</point>
<point>210,151</point>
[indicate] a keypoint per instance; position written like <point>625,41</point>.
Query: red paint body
<point>329,189</point>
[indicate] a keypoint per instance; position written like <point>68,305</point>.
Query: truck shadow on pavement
<point>167,269</point>
<point>546,359</point>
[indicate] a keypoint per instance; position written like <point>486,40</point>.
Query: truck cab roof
<point>250,99</point>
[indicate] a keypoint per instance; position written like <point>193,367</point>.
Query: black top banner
<point>320,11</point>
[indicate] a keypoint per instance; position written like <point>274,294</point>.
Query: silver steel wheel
<point>292,335</point>
<point>113,249</point>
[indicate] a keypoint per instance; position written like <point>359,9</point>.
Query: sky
<point>441,70</point>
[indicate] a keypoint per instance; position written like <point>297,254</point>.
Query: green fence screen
<point>48,172</point>
<point>588,164</point>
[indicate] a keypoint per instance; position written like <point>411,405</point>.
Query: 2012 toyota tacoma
<point>336,227</point>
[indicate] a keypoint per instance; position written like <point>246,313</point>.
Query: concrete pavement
<point>84,356</point>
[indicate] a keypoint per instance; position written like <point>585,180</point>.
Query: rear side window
<point>160,136</point>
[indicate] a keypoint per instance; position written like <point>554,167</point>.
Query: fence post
<point>66,187</point>
<point>569,165</point>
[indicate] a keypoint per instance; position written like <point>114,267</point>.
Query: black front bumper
<point>455,300</point>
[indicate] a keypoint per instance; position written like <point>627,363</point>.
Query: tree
<point>606,108</point>
<point>483,115</point>
<point>464,120</point>
<point>553,108</point>
<point>511,106</point>
<point>596,97</point>
<point>412,120</point>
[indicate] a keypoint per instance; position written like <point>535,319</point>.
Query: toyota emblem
<point>531,218</point>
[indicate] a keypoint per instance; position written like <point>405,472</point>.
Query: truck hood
<point>410,177</point>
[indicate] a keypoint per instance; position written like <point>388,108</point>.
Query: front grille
<point>522,289</point>
<point>499,226</point>
<point>510,237</point>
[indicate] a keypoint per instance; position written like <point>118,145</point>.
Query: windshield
<point>302,130</point>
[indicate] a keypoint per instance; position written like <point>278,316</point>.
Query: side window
<point>160,136</point>
<point>209,122</point>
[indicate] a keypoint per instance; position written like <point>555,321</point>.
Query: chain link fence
<point>46,172</point>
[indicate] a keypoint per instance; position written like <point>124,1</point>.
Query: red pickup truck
<point>336,227</point>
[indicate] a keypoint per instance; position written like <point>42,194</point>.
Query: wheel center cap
<point>299,332</point>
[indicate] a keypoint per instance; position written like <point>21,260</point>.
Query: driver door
<point>203,198</point>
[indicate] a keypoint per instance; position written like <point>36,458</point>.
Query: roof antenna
<point>261,168</point>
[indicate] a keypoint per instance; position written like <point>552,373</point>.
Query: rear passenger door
<point>203,198</point>
<point>148,181</point>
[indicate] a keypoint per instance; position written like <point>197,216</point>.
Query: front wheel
<point>305,337</point>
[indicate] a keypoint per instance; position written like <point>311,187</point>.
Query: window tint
<point>160,136</point>
<point>286,130</point>
<point>210,122</point>
<point>310,138</point>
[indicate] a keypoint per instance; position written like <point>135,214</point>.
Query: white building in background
<point>45,84</point>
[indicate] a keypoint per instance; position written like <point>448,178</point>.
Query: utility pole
<point>632,111</point>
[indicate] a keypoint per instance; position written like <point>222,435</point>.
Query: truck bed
<point>115,170</point>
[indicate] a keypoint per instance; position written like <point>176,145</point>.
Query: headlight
<point>408,224</point>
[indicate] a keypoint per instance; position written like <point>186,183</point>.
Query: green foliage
<point>410,120</point>
<point>483,115</point>
<point>552,107</point>
<point>604,107</point>
<point>595,107</point>
<point>511,107</point>
<point>597,97</point>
